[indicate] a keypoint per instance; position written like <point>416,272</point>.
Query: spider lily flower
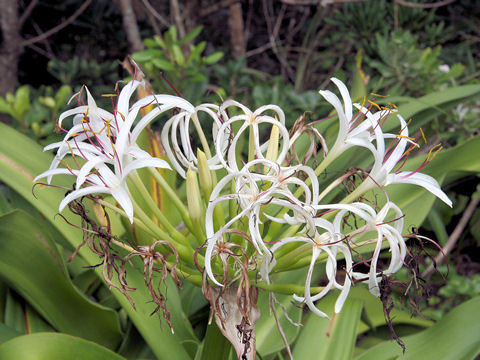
<point>251,120</point>
<point>254,190</point>
<point>326,237</point>
<point>181,153</point>
<point>120,152</point>
<point>389,230</point>
<point>383,173</point>
<point>353,130</point>
<point>93,125</point>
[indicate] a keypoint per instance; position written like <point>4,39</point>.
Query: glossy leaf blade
<point>53,346</point>
<point>32,265</point>
<point>454,337</point>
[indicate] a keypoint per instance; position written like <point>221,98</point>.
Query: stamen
<point>375,104</point>
<point>423,136</point>
<point>73,155</point>
<point>378,95</point>
<point>431,155</point>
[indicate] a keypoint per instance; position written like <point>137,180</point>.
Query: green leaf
<point>373,311</point>
<point>31,264</point>
<point>191,35</point>
<point>17,170</point>
<point>4,107</point>
<point>454,337</point>
<point>269,339</point>
<point>147,55</point>
<point>53,346</point>
<point>172,34</point>
<point>195,51</point>
<point>163,64</point>
<point>213,58</point>
<point>22,101</point>
<point>62,95</point>
<point>425,108</point>
<point>159,41</point>
<point>7,333</point>
<point>14,314</point>
<point>35,322</point>
<point>215,346</point>
<point>178,55</point>
<point>330,339</point>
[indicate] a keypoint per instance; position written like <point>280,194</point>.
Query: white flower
<point>382,172</point>
<point>112,155</point>
<point>444,68</point>
<point>254,189</point>
<point>386,229</point>
<point>182,154</point>
<point>326,237</point>
<point>353,130</point>
<point>251,120</point>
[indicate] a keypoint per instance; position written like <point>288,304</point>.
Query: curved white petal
<point>419,179</point>
<point>82,192</point>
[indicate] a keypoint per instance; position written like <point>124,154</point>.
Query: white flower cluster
<point>264,183</point>
<point>103,145</point>
<point>264,191</point>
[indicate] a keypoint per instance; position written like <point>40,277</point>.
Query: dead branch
<point>237,32</point>
<point>175,11</point>
<point>317,2</point>
<point>27,13</point>
<point>454,236</point>
<point>155,13</point>
<point>130,25</point>
<point>216,7</point>
<point>57,28</point>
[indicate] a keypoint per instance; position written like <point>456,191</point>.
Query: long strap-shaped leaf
<point>53,346</point>
<point>32,265</point>
<point>454,337</point>
<point>21,159</point>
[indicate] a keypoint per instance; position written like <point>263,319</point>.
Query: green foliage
<point>457,290</point>
<point>454,337</point>
<point>404,68</point>
<point>31,264</point>
<point>17,171</point>
<point>180,60</point>
<point>81,71</point>
<point>35,112</point>
<point>53,346</point>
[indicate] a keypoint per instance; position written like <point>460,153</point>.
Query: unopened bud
<point>194,198</point>
<point>204,174</point>
<point>272,151</point>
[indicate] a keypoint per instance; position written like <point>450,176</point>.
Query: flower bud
<point>205,176</point>
<point>194,198</point>
<point>272,151</point>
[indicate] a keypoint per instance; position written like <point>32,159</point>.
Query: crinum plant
<point>259,199</point>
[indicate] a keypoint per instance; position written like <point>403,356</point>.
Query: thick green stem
<point>184,251</point>
<point>177,202</point>
<point>177,235</point>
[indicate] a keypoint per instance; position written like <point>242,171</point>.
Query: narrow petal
<point>142,163</point>
<point>422,180</point>
<point>347,100</point>
<point>121,195</point>
<point>82,192</point>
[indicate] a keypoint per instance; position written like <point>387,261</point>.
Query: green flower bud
<point>194,199</point>
<point>205,175</point>
<point>272,151</point>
